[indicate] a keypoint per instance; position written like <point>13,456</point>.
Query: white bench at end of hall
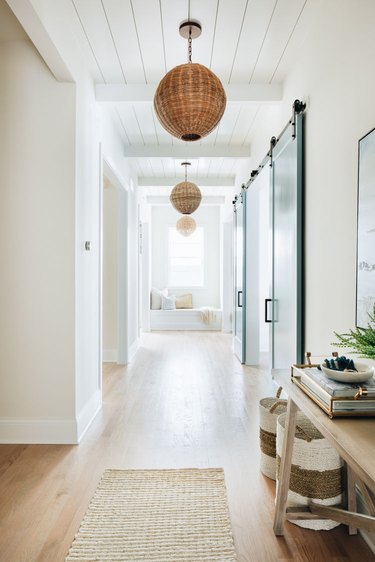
<point>185,319</point>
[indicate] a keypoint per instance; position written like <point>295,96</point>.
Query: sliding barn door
<point>287,247</point>
<point>239,337</point>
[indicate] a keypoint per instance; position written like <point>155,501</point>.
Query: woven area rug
<point>156,516</point>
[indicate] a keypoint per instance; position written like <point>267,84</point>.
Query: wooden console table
<point>353,438</point>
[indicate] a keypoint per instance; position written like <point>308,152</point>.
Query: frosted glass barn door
<point>239,278</point>
<point>287,303</point>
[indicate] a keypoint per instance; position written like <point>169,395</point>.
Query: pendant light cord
<point>189,38</point>
<point>186,164</point>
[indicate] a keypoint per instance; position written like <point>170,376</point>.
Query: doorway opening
<point>110,273</point>
<point>114,279</point>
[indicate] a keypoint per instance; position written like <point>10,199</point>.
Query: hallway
<point>185,401</point>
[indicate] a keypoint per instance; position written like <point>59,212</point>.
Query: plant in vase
<point>361,340</point>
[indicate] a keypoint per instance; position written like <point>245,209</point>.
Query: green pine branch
<point>360,340</point>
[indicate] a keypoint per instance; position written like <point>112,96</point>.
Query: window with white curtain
<point>185,258</point>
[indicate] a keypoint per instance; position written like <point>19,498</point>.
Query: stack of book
<point>335,398</point>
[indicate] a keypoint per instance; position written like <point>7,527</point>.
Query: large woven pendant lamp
<point>186,225</point>
<point>190,100</point>
<point>185,196</point>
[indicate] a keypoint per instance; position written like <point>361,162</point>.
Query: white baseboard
<point>50,431</point>
<point>42,432</point>
<point>133,349</point>
<point>88,413</point>
<point>110,356</point>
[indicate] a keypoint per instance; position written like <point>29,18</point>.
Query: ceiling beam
<point>162,181</point>
<point>133,93</point>
<point>35,28</point>
<point>186,151</point>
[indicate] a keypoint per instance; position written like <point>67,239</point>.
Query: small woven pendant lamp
<point>186,225</point>
<point>190,100</point>
<point>185,196</point>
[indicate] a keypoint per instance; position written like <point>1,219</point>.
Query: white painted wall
<point>54,138</point>
<point>88,192</point>
<point>124,270</point>
<point>98,142</point>
<point>145,281</point>
<point>37,218</point>
<point>110,272</point>
<point>208,216</point>
<point>133,260</point>
<point>113,152</point>
<point>332,71</point>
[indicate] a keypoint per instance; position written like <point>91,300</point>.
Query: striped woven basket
<point>269,410</point>
<point>317,470</point>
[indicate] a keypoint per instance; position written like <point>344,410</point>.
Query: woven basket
<point>185,197</point>
<point>269,411</point>
<point>317,472</point>
<point>190,101</point>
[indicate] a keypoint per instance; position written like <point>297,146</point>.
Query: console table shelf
<point>353,438</point>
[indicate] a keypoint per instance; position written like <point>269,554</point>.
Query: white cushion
<point>156,295</point>
<point>168,303</point>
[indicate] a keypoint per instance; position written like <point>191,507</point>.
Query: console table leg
<point>352,496</point>
<point>285,466</point>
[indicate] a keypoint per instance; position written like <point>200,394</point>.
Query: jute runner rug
<point>156,516</point>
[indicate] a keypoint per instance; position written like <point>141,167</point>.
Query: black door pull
<point>239,299</point>
<point>266,301</point>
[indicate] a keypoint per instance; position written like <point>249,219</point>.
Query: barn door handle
<point>239,299</point>
<point>266,301</point>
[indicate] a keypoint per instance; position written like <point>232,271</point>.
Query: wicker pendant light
<point>190,100</point>
<point>185,196</point>
<point>186,225</point>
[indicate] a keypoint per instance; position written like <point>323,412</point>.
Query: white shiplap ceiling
<point>128,46</point>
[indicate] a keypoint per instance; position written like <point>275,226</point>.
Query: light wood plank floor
<point>185,401</point>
